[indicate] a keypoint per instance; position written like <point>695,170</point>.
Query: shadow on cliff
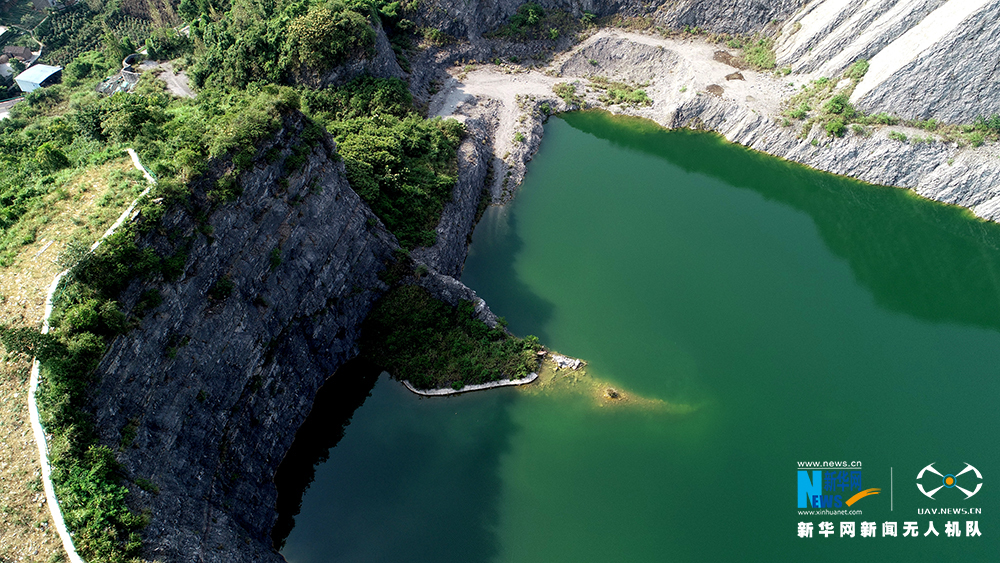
<point>949,260</point>
<point>414,479</point>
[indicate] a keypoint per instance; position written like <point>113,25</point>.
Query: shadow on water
<point>495,245</point>
<point>332,410</point>
<point>925,243</point>
<point>413,479</point>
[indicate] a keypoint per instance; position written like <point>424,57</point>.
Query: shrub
<point>857,70</point>
<point>840,105</point>
<point>988,124</point>
<point>274,259</point>
<point>884,119</point>
<point>760,54</point>
<point>835,127</point>
<point>620,92</point>
<point>404,168</point>
<point>567,92</point>
<point>896,135</point>
<point>527,15</point>
<point>221,289</point>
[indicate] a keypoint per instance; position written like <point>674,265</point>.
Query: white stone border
<point>469,388</point>
<point>36,422</point>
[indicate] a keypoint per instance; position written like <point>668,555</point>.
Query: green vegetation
<point>274,259</point>
<point>77,29</point>
<point>567,91</point>
<point>839,105</point>
<point>621,93</point>
<point>857,70</point>
<point>800,112</point>
<point>418,338</point>
<point>758,50</point>
<point>404,166</point>
<point>277,41</point>
<point>759,53</point>
<point>532,22</point>
<point>835,127</point>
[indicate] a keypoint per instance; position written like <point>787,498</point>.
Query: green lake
<point>756,313</point>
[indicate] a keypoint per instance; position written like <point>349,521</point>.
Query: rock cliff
<point>470,21</point>
<point>213,389</point>
<point>929,58</point>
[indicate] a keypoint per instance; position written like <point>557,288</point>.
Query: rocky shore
<point>688,87</point>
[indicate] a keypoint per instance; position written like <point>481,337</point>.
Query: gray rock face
<point>447,256</point>
<point>217,387</point>
<point>929,58</point>
<point>939,171</point>
<point>625,60</point>
<point>471,21</point>
<point>382,64</point>
<point>957,80</point>
<point>859,31</point>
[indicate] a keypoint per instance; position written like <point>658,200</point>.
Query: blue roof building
<point>38,76</point>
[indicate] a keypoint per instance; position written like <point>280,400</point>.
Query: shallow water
<point>765,314</point>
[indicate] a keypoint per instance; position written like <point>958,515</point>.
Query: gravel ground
<point>670,70</point>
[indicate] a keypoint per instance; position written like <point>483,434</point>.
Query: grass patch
<point>621,93</point>
<point>532,22</point>
<point>759,53</point>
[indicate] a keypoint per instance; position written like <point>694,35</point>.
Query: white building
<point>38,76</point>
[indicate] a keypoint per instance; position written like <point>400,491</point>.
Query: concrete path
<point>36,422</point>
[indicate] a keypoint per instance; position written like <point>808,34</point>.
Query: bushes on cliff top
<point>531,21</point>
<point>257,40</point>
<point>433,345</point>
<point>403,165</point>
<point>404,168</point>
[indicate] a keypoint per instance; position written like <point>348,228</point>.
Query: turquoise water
<point>757,313</point>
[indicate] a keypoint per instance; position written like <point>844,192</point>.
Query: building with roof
<point>24,54</point>
<point>38,76</point>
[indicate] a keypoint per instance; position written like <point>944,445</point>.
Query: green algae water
<point>766,314</point>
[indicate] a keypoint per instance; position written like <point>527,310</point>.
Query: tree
<point>50,157</point>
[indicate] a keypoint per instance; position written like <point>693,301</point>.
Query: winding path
<point>36,422</point>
